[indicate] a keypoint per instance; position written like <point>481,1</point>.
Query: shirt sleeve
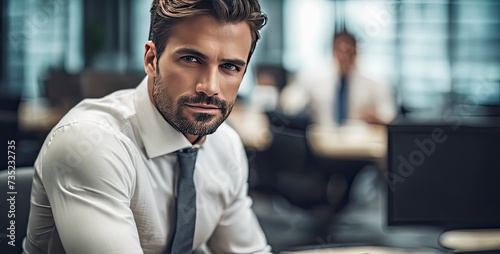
<point>238,230</point>
<point>88,175</point>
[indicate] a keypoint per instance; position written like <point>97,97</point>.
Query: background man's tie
<point>186,203</point>
<point>342,100</point>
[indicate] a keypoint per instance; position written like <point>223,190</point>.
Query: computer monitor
<point>444,173</point>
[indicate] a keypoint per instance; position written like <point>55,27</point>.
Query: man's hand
<point>370,116</point>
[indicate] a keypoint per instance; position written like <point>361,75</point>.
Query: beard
<point>173,110</point>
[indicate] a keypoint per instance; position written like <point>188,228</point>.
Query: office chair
<point>21,207</point>
<point>286,168</point>
<point>297,178</point>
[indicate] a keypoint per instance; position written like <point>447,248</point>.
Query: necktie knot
<point>188,150</point>
<point>187,160</point>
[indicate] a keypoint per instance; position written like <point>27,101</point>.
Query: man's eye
<point>190,59</point>
<point>230,67</point>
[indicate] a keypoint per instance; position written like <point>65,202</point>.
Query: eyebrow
<point>194,52</point>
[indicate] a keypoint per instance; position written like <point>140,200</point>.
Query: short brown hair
<point>165,14</point>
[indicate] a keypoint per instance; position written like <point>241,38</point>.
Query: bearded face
<point>195,115</point>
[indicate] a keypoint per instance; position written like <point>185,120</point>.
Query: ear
<point>150,59</point>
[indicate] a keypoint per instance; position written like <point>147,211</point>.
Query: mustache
<point>210,100</point>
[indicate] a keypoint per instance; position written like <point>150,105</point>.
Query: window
<point>433,52</point>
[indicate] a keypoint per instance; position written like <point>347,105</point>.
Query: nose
<point>209,82</point>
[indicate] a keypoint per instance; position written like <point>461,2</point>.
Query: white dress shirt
<point>105,183</point>
<point>316,88</point>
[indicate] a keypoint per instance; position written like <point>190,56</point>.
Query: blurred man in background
<point>334,92</point>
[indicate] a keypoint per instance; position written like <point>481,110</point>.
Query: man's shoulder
<point>86,144</point>
<point>112,112</point>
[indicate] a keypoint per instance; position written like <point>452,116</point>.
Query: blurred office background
<point>435,54</point>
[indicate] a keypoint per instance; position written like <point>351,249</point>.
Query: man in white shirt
<point>106,176</point>
<point>318,89</point>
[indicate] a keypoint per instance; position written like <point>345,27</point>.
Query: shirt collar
<point>158,136</point>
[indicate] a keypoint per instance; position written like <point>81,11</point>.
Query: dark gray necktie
<point>186,203</point>
<point>342,101</point>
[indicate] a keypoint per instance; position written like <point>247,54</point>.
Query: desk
<point>472,240</point>
<point>459,240</point>
<point>355,141</point>
<point>362,250</point>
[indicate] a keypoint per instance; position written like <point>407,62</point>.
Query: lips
<point>203,104</point>
<point>202,108</point>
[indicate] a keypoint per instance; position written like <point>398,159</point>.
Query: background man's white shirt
<point>316,88</point>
